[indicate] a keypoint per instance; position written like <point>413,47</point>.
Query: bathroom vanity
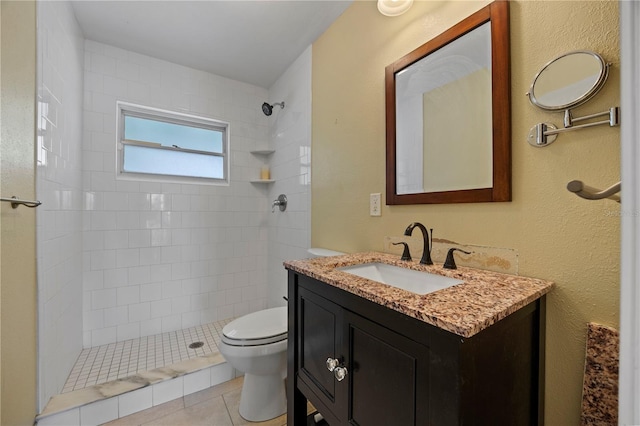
<point>367,353</point>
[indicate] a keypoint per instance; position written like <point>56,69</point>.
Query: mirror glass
<point>448,115</point>
<point>443,98</point>
<point>568,81</point>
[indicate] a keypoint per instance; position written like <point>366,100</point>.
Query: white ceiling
<point>249,41</point>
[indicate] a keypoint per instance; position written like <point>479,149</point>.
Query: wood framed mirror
<point>448,115</point>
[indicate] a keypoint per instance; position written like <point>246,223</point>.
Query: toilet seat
<point>258,328</point>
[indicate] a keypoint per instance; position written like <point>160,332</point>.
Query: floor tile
<point>206,413</point>
<point>213,392</point>
<point>217,406</point>
<point>232,401</point>
<point>149,415</point>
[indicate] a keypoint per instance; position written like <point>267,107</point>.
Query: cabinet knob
<point>332,363</point>
<point>340,373</point>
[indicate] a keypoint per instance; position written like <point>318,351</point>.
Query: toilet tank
<point>323,252</point>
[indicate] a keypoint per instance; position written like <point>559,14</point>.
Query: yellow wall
<point>17,236</point>
<point>559,236</point>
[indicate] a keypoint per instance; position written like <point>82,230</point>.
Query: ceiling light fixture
<point>394,7</point>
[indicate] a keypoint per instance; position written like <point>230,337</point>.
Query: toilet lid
<point>257,328</point>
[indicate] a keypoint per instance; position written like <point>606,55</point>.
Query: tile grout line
<point>144,353</point>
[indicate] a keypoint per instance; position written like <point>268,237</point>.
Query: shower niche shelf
<point>265,153</point>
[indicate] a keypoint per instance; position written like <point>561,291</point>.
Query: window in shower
<point>162,145</point>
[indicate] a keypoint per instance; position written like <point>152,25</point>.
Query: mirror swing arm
<point>544,134</point>
<point>549,95</point>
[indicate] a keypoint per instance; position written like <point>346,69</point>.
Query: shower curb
<point>119,398</point>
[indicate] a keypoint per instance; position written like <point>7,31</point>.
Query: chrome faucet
<point>428,241</point>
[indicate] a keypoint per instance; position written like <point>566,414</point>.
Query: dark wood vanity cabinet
<point>386,372</point>
<point>402,371</point>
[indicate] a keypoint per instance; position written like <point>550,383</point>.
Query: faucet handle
<point>405,253</point>
<point>281,202</point>
<point>450,262</point>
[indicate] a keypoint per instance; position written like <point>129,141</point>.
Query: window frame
<point>124,109</point>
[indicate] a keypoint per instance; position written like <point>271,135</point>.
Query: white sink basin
<point>407,279</point>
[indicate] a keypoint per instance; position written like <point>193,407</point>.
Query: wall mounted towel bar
<point>589,193</point>
<point>15,202</point>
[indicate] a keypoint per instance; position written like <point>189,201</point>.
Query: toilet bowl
<point>256,344</point>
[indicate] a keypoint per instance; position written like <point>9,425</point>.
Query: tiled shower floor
<point>114,361</point>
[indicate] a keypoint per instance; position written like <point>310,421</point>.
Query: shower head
<point>268,109</point>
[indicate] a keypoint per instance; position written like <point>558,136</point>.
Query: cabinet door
<point>320,338</point>
<point>388,376</point>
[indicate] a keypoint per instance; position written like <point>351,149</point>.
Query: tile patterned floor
<point>117,360</point>
<point>217,406</point>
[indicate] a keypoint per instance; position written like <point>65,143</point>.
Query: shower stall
<point>125,259</point>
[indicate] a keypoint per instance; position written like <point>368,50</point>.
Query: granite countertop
<point>601,368</point>
<point>485,298</point>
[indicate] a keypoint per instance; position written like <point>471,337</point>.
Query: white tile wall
<point>222,373</point>
<point>197,381</point>
<point>67,418</point>
<point>121,259</point>
<point>167,391</point>
<point>290,136</point>
<point>59,187</point>
<point>135,401</point>
<point>99,412</point>
<point>165,256</point>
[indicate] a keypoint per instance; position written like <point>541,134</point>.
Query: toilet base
<point>263,397</point>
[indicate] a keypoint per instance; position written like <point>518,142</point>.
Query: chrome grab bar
<point>15,202</point>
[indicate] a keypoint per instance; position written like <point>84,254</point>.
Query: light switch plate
<point>374,204</point>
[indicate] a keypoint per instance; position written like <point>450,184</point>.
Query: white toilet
<point>256,344</point>
<point>323,252</point>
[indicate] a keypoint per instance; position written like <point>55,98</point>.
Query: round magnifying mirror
<point>569,80</point>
